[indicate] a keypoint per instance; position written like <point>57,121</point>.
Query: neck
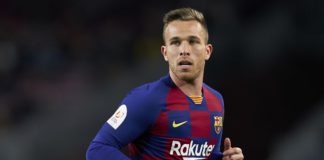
<point>189,88</point>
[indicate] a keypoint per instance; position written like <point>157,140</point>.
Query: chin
<point>188,77</point>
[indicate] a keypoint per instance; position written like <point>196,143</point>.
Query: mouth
<point>184,63</point>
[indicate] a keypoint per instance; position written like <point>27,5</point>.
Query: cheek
<point>200,54</point>
<point>172,54</point>
<point>200,60</point>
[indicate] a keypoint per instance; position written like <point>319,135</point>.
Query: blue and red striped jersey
<point>158,121</point>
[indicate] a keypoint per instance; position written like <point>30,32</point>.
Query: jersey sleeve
<point>130,120</point>
<point>217,153</point>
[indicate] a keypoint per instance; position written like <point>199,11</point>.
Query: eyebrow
<point>194,37</point>
<point>174,38</point>
<point>190,37</point>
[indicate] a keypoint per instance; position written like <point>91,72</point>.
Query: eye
<point>175,42</point>
<point>194,41</point>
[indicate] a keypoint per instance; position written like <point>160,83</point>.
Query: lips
<point>184,62</point>
<point>185,65</point>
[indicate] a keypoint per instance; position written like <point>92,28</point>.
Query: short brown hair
<point>184,14</point>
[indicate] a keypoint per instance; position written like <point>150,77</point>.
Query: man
<point>176,117</point>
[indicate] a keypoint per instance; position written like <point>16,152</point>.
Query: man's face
<point>186,49</point>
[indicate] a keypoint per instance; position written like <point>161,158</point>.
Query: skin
<point>186,50</point>
<point>185,42</point>
<point>231,153</point>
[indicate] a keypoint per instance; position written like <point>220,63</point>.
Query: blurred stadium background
<point>65,65</point>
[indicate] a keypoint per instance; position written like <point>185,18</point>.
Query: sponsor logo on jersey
<point>218,123</point>
<point>175,125</point>
<point>118,117</point>
<point>191,151</point>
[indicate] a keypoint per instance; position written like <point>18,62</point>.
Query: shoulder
<point>150,89</point>
<point>213,92</point>
<point>148,93</point>
<point>147,98</point>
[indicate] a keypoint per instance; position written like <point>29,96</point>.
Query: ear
<point>209,50</point>
<point>164,52</point>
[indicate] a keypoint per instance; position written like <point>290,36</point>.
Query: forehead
<point>184,29</point>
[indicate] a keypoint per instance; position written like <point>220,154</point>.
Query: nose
<point>184,53</point>
<point>184,49</point>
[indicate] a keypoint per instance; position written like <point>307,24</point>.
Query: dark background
<point>65,65</point>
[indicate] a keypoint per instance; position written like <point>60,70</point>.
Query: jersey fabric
<point>159,122</point>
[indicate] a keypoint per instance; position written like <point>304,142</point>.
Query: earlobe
<point>163,52</point>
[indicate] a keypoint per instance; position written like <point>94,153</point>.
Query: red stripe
<point>200,124</point>
<point>213,102</point>
<point>161,125</point>
<point>132,150</point>
<point>176,100</point>
<point>212,141</point>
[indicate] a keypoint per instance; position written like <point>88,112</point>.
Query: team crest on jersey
<point>118,117</point>
<point>218,123</point>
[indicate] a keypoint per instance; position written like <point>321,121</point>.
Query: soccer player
<point>177,116</point>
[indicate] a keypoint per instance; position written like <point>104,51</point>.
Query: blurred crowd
<point>66,65</point>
